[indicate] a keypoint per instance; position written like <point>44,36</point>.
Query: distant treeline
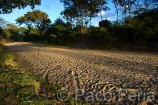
<point>137,32</point>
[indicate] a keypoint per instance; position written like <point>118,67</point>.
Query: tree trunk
<point>101,19</point>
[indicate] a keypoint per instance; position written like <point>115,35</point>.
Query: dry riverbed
<point>97,76</point>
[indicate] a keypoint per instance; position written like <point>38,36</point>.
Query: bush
<point>100,36</point>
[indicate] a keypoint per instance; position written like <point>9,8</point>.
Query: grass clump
<point>17,86</point>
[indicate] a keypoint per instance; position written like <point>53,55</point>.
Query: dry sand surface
<point>95,71</point>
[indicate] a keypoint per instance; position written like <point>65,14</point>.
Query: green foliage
<point>22,31</point>
<point>2,22</point>
<point>59,21</point>
<point>13,31</point>
<point>59,33</point>
<point>20,85</point>
<point>105,23</point>
<point>6,6</point>
<point>57,30</point>
<point>136,32</point>
<point>139,31</point>
<point>10,31</point>
<point>35,20</point>
<point>100,36</point>
<point>6,57</point>
<point>32,35</point>
<point>6,34</point>
<point>82,11</point>
<point>1,47</point>
<point>1,31</point>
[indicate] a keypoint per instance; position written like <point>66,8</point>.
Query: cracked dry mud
<point>94,71</point>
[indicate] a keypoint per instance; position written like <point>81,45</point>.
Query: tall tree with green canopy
<point>9,31</point>
<point>80,10</point>
<point>2,26</point>
<point>131,8</point>
<point>2,22</point>
<point>101,6</point>
<point>36,19</point>
<point>6,6</point>
<point>116,4</point>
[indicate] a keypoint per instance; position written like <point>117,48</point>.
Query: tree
<point>74,10</point>
<point>11,26</point>
<point>59,21</point>
<point>2,23</point>
<point>6,6</point>
<point>105,23</point>
<point>13,30</point>
<point>82,11</point>
<point>32,34</point>
<point>9,31</point>
<point>124,8</point>
<point>116,4</point>
<point>22,32</point>
<point>101,6</point>
<point>35,19</point>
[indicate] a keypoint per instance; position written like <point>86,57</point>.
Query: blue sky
<point>53,9</point>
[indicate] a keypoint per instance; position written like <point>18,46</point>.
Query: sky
<point>53,8</point>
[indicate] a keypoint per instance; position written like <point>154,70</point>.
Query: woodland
<point>135,27</point>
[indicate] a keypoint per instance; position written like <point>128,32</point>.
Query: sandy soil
<point>94,71</point>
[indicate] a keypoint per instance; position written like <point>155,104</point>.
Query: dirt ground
<point>94,75</point>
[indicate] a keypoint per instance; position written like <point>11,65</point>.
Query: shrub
<point>100,36</point>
